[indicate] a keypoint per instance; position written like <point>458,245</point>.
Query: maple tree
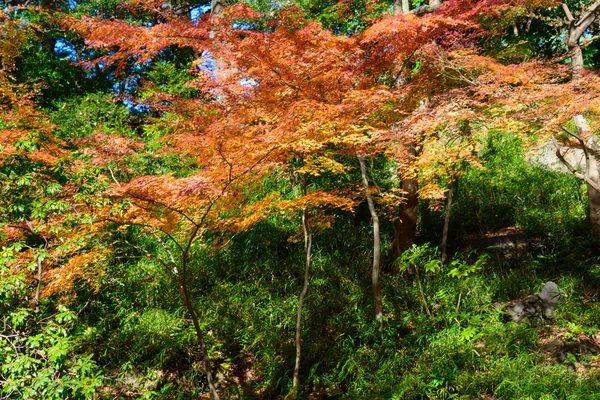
<point>242,98</point>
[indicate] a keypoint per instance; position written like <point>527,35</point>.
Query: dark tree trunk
<point>376,246</point>
<point>47,45</point>
<point>405,229</point>
<point>447,225</point>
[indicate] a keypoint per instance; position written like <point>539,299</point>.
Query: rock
<point>545,157</point>
<point>550,297</point>
<point>541,305</point>
<point>562,350</point>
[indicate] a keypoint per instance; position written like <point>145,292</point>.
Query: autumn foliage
<point>267,121</point>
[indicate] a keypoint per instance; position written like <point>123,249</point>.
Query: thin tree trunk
<point>216,8</point>
<point>447,225</point>
<point>376,246</point>
<point>401,6</point>
<point>307,249</point>
<point>423,299</point>
<point>460,292</point>
<point>39,284</point>
<point>205,359</point>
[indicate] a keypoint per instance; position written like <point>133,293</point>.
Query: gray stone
<point>540,305</point>
<point>545,157</point>
<point>550,296</point>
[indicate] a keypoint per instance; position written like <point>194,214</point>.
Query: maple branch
<point>585,147</point>
<point>530,20</point>
<point>567,11</point>
<point>160,203</point>
<point>296,88</point>
<point>164,264</point>
<point>404,65</point>
<point>213,201</point>
<point>578,28</point>
<point>150,228</point>
<point>589,41</point>
<point>113,176</point>
<point>588,16</point>
<point>166,248</point>
<point>29,228</point>
<point>219,150</point>
<point>573,135</point>
<point>572,169</point>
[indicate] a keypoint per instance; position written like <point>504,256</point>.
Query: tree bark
<point>376,245</point>
<point>587,138</point>
<point>576,30</point>
<point>591,169</point>
<point>401,6</point>
<point>216,7</point>
<point>447,225</point>
<point>39,284</point>
<point>205,358</point>
<point>307,249</point>
<point>405,228</point>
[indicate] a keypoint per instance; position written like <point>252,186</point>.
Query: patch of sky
<point>68,5</point>
<point>128,86</point>
<point>207,64</point>
<point>243,25</point>
<point>94,70</point>
<point>249,82</point>
<point>136,108</point>
<point>65,50</point>
<point>196,12</point>
<point>142,66</point>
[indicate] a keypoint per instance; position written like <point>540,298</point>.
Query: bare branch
<point>588,16</point>
<point>574,135</point>
<point>160,203</point>
<point>168,250</point>
<point>567,11</point>
<point>579,175</point>
<point>585,146</point>
<point>113,176</point>
<point>220,151</point>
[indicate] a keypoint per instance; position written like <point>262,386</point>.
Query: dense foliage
<point>309,199</point>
